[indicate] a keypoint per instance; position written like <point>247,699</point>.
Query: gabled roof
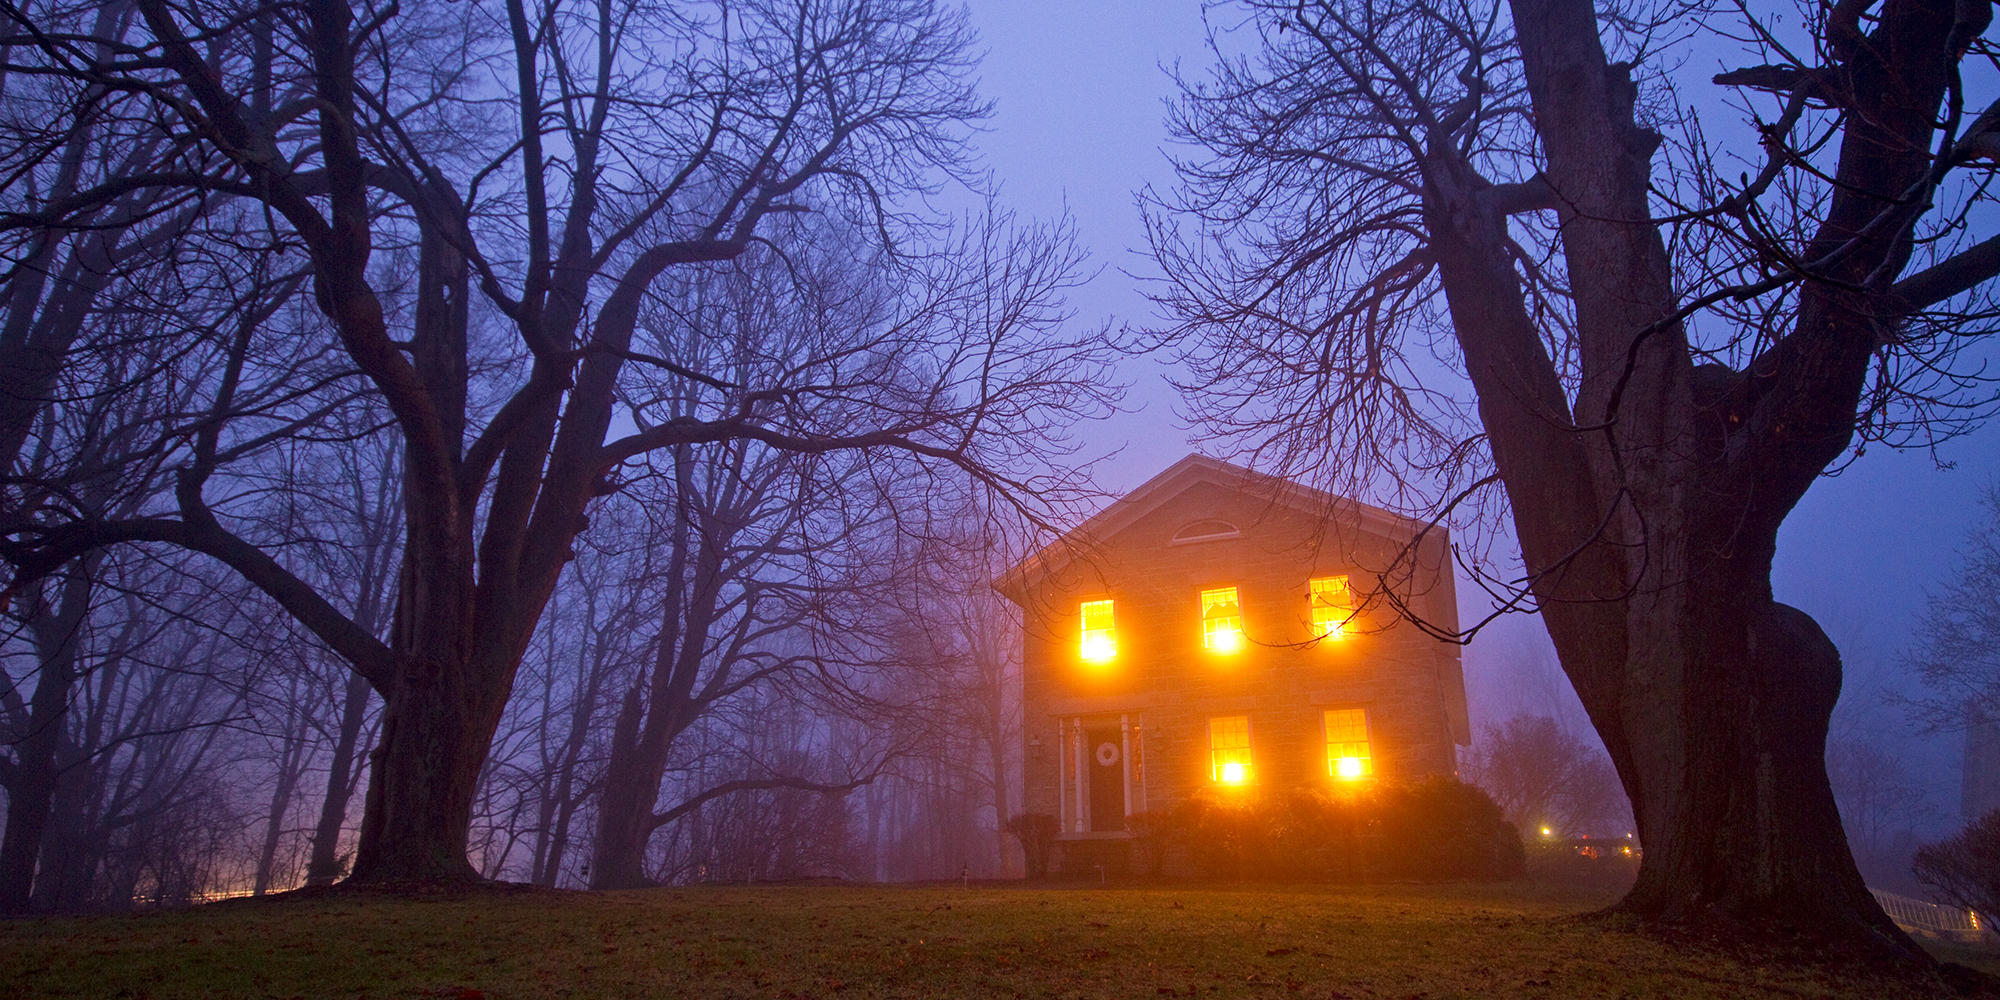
<point>1175,480</point>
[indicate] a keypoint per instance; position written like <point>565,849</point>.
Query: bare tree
<point>1877,795</point>
<point>1543,777</point>
<point>1655,378</point>
<point>1962,869</point>
<point>1957,648</point>
<point>146,808</point>
<point>638,141</point>
<point>595,637</point>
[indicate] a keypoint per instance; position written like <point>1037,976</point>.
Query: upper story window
<point>1229,749</point>
<point>1100,633</point>
<point>1329,602</point>
<point>1211,530</point>
<point>1347,754</point>
<point>1221,620</point>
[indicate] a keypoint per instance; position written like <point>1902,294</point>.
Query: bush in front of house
<point>1435,828</point>
<point>1228,834</point>
<point>1441,827</point>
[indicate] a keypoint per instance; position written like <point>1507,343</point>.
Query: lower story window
<point>1229,749</point>
<point>1347,754</point>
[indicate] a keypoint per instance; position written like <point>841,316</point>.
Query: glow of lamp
<point>1099,648</point>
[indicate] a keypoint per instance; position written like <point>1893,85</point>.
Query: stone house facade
<point>1219,628</point>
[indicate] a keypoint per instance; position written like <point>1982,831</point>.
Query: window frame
<point>1243,756</point>
<point>1222,633</point>
<point>1353,714</point>
<point>1329,608</point>
<point>1107,634</point>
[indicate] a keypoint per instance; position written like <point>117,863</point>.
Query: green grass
<point>853,941</point>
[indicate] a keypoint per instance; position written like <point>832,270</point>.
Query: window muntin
<point>1100,633</point>
<point>1347,752</point>
<point>1329,602</point>
<point>1221,620</point>
<point>1229,749</point>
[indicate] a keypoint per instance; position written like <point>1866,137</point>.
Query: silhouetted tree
<point>366,141</point>
<point>1957,641</point>
<point>1542,776</point>
<point>1663,354</point>
<point>1964,869</point>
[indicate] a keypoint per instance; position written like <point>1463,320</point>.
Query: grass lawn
<point>1321,942</point>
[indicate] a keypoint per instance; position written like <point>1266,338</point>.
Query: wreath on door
<point>1107,754</point>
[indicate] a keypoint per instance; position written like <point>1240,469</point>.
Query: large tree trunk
<point>1748,831</point>
<point>1648,517</point>
<point>424,779</point>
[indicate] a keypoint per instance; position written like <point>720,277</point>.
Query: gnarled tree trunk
<point>1649,527</point>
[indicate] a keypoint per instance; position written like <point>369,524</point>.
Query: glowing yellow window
<point>1100,632</point>
<point>1229,749</point>
<point>1347,753</point>
<point>1328,605</point>
<point>1221,620</point>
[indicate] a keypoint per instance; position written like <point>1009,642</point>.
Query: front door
<point>1107,779</point>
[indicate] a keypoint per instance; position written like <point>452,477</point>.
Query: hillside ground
<point>848,941</point>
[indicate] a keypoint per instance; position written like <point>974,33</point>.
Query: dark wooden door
<point>1107,779</point>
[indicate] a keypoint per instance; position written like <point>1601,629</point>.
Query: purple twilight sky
<point>1079,89</point>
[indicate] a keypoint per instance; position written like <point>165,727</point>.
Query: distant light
<point>1233,773</point>
<point>1546,832</point>
<point>1349,767</point>
<point>1225,640</point>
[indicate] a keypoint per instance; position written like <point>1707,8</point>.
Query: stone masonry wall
<point>1165,684</point>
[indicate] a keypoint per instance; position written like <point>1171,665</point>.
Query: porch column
<point>1125,744</point>
<point>1062,783</point>
<point>1076,748</point>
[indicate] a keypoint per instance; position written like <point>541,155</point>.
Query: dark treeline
<point>560,443</point>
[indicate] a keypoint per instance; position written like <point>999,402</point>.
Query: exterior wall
<point>1163,687</point>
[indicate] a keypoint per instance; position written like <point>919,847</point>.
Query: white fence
<point>1920,917</point>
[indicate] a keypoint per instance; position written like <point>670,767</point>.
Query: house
<point>1219,628</point>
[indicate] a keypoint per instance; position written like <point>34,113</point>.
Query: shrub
<point>1964,869</point>
<point>1037,834</point>
<point>1437,828</point>
<point>1229,834</point>
<point>1441,827</point>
